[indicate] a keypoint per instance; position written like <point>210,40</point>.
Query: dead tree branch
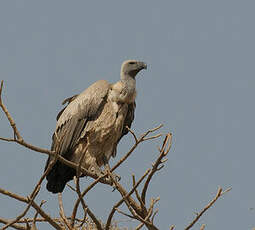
<point>16,226</point>
<point>167,143</point>
<point>123,199</point>
<point>34,205</point>
<point>218,195</point>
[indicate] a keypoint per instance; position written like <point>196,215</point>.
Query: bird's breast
<point>104,132</point>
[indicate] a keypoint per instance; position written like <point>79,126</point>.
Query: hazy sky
<point>199,84</point>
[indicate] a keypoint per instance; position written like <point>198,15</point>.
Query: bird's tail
<point>58,176</point>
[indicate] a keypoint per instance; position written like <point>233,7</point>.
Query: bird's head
<point>131,68</point>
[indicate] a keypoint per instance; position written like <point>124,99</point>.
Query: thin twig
<point>139,140</point>
<point>16,226</point>
<point>77,182</point>
<point>152,137</point>
<point>71,187</point>
<point>219,194</point>
<point>150,212</point>
<point>154,214</point>
<point>109,219</point>
<point>62,212</point>
<point>41,219</point>
<point>28,225</point>
<point>35,217</point>
<point>84,193</point>
<point>202,227</point>
<point>7,139</point>
<point>139,226</point>
<point>52,222</point>
<point>12,123</point>
<point>31,199</point>
<point>137,195</point>
<point>95,220</point>
<point>125,214</point>
<point>85,207</point>
<point>32,195</point>
<point>163,152</point>
<point>133,134</point>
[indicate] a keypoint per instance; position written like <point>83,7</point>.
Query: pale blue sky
<point>199,84</point>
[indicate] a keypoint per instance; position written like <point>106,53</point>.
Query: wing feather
<point>73,118</point>
<point>67,100</point>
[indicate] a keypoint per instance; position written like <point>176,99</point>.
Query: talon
<point>116,177</point>
<point>96,170</point>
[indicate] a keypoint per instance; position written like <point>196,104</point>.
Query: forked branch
<point>218,195</point>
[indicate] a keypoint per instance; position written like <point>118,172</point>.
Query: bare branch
<point>219,194</point>
<point>124,196</point>
<point>152,137</point>
<point>172,227</point>
<point>30,200</point>
<point>163,152</point>
<point>138,196</point>
<point>153,216</point>
<point>11,121</point>
<point>7,139</point>
<point>153,130</point>
<point>27,224</point>
<point>139,226</point>
<point>148,224</point>
<point>133,134</point>
<point>141,139</point>
<point>78,191</point>
<point>84,193</point>
<point>85,207</point>
<point>16,226</point>
<point>80,199</point>
<point>32,195</point>
<point>62,212</point>
<point>202,227</point>
<point>35,217</point>
<point>124,214</point>
<point>95,220</point>
<point>34,205</point>
<point>60,158</point>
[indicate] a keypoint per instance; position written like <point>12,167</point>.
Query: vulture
<point>93,121</point>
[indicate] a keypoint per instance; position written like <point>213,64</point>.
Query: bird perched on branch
<point>93,121</point>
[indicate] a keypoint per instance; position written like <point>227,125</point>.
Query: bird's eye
<point>131,63</point>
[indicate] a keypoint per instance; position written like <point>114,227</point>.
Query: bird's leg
<point>107,170</point>
<point>95,169</point>
<point>106,164</point>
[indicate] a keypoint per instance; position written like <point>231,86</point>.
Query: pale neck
<point>128,80</point>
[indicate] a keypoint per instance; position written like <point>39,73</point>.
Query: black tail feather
<point>59,175</point>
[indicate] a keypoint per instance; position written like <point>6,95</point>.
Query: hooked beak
<point>143,65</point>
